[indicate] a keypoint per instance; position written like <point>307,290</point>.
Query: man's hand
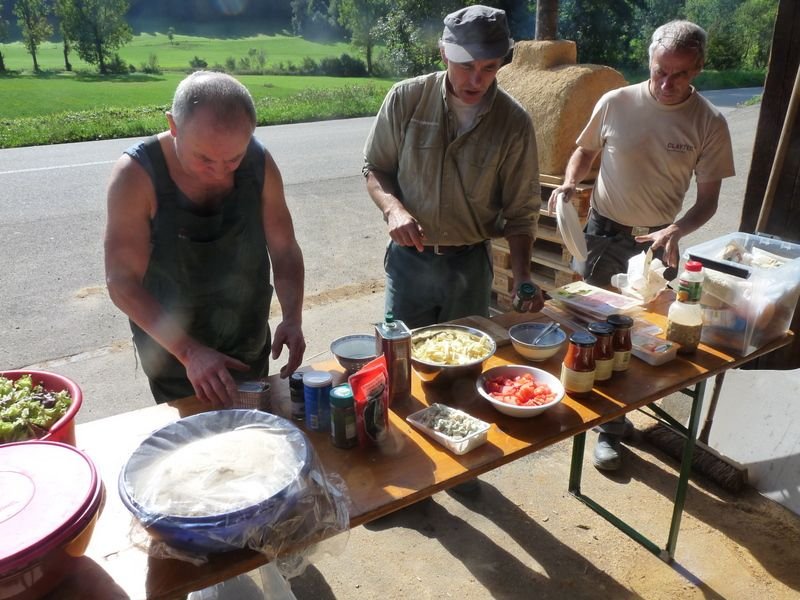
<point>289,335</point>
<point>534,304</point>
<point>404,229</point>
<point>667,239</point>
<point>567,189</point>
<point>208,373</point>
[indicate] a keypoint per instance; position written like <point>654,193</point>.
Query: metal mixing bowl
<point>438,373</point>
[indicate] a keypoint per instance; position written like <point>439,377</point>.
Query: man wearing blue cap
<point>451,162</point>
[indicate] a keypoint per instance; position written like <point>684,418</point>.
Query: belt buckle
<point>436,250</point>
<point>637,230</point>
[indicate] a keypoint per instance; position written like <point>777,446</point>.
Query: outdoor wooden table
<point>408,468</point>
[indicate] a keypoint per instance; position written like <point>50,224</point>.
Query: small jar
<point>622,340</point>
<point>316,392</point>
<point>526,291</point>
<point>296,396</point>
<point>343,417</point>
<point>603,350</point>
<point>578,368</point>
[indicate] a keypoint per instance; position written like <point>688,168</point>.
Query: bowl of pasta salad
<point>443,353</point>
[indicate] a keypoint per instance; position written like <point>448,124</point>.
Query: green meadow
<point>56,106</point>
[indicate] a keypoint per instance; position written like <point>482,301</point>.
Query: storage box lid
<point>744,254</point>
<point>50,493</point>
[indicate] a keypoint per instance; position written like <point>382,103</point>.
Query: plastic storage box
<point>750,289</point>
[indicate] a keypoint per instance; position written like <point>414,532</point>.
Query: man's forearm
<point>382,190</point>
<point>289,277</point>
<point>579,165</point>
<point>520,247</point>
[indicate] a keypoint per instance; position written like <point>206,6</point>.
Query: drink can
<point>296,395</point>
<point>316,394</point>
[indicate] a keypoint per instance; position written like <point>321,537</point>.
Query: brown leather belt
<point>606,225</point>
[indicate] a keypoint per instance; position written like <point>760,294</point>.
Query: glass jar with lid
<point>622,340</point>
<point>603,350</point>
<point>578,368</point>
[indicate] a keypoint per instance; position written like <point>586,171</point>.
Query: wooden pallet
<point>550,259</point>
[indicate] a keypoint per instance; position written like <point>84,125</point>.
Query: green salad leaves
<point>27,410</point>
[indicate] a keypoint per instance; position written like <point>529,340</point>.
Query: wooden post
<point>546,20</point>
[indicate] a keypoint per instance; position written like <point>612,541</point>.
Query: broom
<point>705,460</point>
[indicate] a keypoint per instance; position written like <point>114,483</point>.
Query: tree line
<point>399,37</point>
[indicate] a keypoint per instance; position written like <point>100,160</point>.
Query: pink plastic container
<point>52,498</point>
<point>62,430</point>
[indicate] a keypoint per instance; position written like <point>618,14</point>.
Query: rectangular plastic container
<point>455,445</point>
<point>750,289</point>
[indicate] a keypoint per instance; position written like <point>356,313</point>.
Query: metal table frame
<point>689,432</point>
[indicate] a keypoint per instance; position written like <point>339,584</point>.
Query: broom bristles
<point>706,461</point>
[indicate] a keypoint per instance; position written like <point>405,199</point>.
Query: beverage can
<point>393,339</point>
<point>316,395</point>
<point>296,396</point>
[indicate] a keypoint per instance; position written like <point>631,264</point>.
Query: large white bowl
<point>514,410</point>
<point>523,334</point>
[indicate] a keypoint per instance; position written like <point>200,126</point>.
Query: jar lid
<point>317,378</point>
<point>51,492</point>
<point>693,265</point>
<point>582,338</point>
<point>342,396</point>
<point>296,379</point>
<point>620,320</point>
<point>600,328</point>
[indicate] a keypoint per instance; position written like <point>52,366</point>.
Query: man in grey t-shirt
<point>652,137</point>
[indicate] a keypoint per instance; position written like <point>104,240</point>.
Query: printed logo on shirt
<point>682,148</point>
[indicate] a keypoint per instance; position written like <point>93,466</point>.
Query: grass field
<point>56,106</point>
<point>175,57</point>
<point>26,96</point>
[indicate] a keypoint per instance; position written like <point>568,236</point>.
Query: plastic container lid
<point>51,491</point>
<point>342,396</point>
<point>316,379</point>
<point>693,265</point>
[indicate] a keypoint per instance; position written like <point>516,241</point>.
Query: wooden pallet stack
<point>550,258</point>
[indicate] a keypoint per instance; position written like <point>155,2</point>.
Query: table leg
<point>686,467</point>
<point>576,468</point>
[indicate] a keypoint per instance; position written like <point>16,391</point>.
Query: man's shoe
<point>607,452</point>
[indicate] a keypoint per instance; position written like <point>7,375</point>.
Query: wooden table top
<point>406,469</point>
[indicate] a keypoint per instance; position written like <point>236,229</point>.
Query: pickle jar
<point>603,350</point>
<point>622,340</point>
<point>578,368</point>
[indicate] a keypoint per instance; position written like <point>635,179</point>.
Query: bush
<point>344,66</point>
<point>118,66</point>
<point>198,63</point>
<point>151,66</point>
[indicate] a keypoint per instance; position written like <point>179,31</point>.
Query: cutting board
<point>498,332</point>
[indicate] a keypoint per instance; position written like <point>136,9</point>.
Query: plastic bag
<point>371,396</point>
<point>230,479</point>
<point>644,279</point>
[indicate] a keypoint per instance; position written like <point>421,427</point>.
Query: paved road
<point>55,310</point>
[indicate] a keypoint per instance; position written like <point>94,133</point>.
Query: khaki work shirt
<point>462,189</point>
